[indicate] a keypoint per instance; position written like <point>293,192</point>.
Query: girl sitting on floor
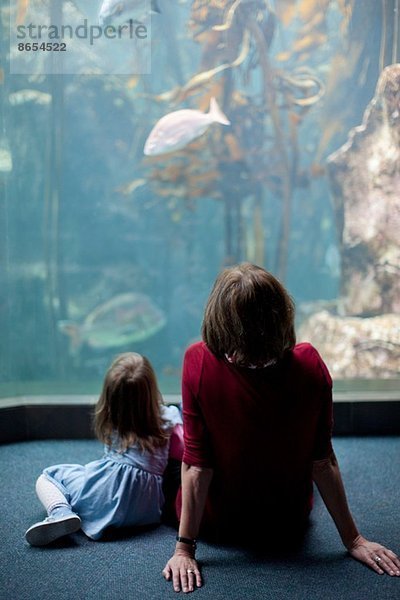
<point>125,487</point>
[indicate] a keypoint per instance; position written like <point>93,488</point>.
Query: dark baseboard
<point>42,422</point>
<point>377,417</point>
<point>53,419</point>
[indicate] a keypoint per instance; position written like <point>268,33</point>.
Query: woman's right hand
<point>184,571</point>
<point>377,557</point>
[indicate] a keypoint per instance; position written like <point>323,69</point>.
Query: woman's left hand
<point>377,557</point>
<point>184,571</point>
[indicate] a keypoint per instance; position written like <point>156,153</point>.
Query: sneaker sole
<point>42,534</point>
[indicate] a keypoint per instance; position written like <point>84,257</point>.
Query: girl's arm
<point>183,566</point>
<point>327,477</point>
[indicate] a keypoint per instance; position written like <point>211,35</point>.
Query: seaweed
<point>257,162</point>
<point>55,287</point>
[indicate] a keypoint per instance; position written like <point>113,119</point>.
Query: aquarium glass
<point>109,244</point>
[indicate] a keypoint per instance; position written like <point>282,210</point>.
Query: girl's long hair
<point>130,405</point>
<point>249,316</point>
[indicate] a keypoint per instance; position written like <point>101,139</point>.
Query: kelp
<point>229,17</point>
<point>268,86</point>
<point>302,80</point>
<point>184,175</point>
<point>286,11</point>
<point>389,48</point>
<point>355,67</point>
<point>243,32</point>
<point>199,81</point>
<point>22,9</point>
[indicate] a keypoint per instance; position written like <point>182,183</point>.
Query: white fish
<point>27,95</point>
<point>175,130</point>
<point>117,12</point>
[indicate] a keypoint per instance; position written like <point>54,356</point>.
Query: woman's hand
<point>184,570</point>
<point>377,557</point>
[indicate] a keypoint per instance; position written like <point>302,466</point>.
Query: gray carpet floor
<point>128,566</point>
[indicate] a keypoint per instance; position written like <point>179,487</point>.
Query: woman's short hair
<point>249,316</point>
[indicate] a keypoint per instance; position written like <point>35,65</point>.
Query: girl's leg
<point>60,521</point>
<point>51,497</point>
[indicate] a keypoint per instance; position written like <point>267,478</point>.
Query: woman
<point>257,412</point>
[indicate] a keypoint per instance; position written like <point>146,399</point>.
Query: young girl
<point>123,488</point>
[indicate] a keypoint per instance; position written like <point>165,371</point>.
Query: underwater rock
<point>355,347</point>
<point>365,180</point>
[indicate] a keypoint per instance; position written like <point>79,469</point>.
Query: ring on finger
<point>377,559</point>
<point>189,571</point>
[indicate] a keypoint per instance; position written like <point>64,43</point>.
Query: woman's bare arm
<point>182,567</point>
<point>326,474</point>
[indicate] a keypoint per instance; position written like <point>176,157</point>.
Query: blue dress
<point>119,490</point>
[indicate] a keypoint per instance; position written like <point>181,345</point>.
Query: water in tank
<point>117,212</point>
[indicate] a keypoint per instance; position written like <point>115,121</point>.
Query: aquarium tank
<point>114,224</point>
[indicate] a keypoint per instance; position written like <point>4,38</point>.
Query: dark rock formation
<point>365,178</point>
<point>363,339</point>
<point>356,347</point>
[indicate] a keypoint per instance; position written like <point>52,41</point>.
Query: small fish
<point>6,163</point>
<point>176,129</point>
<point>122,320</point>
<point>23,96</point>
<point>117,12</point>
<point>131,187</point>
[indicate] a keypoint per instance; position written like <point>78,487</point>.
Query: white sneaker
<point>52,528</point>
